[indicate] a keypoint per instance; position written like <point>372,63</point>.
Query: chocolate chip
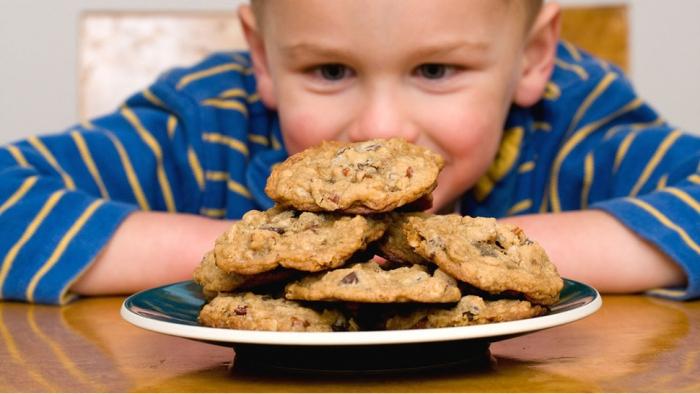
<point>350,279</point>
<point>409,172</point>
<point>241,310</point>
<point>485,249</point>
<point>469,315</point>
<point>278,230</point>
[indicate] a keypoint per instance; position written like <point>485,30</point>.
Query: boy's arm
<point>175,147</point>
<point>596,248</point>
<point>150,249</point>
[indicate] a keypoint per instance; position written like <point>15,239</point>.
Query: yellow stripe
<point>89,162</point>
<point>506,157</point>
<point>588,101</point>
<point>66,361</point>
<point>153,99</point>
<point>61,247</point>
<point>662,182</point>
<point>551,91</point>
<point>588,173</point>
<point>172,125</point>
<point>526,167</point>
<point>622,150</point>
<point>520,207</point>
<point>254,97</point>
<point>544,126</point>
<point>545,202</point>
<point>28,233</point>
<point>87,124</point>
<point>631,127</point>
<point>259,139</point>
<point>685,197</point>
<point>16,355</point>
<point>186,80</point>
<point>18,156</point>
<point>695,178</point>
<point>240,93</point>
<point>238,188</point>
<point>38,145</point>
<point>230,183</point>
<point>213,213</point>
<point>19,193</point>
<point>155,148</point>
<point>227,104</point>
<point>216,176</point>
<point>196,167</point>
<point>666,222</point>
<point>569,146</point>
<point>231,142</point>
<point>651,165</point>
<point>572,50</point>
<point>233,93</point>
<point>276,145</point>
<point>667,292</point>
<point>580,71</point>
<point>130,173</point>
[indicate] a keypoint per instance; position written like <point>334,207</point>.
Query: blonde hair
<point>530,7</point>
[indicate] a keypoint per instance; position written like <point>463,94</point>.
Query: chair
<point>110,69</point>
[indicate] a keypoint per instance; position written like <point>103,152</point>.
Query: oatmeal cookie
<point>488,255</point>
<point>248,311</point>
<point>305,241</point>
<point>368,282</point>
<point>364,177</point>
<point>394,246</point>
<point>213,280</point>
<point>470,310</point>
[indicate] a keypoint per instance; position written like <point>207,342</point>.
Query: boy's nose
<point>383,116</point>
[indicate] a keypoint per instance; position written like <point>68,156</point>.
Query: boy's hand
<point>150,249</point>
<point>595,248</point>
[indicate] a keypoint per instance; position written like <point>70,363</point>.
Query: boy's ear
<point>256,45</point>
<point>539,55</point>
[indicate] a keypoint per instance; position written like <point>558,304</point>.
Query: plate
<point>173,310</point>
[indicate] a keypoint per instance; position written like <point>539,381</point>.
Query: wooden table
<point>633,343</point>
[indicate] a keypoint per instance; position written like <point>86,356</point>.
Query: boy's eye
<point>333,72</point>
<point>434,70</point>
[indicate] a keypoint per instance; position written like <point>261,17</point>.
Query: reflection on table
<point>633,343</point>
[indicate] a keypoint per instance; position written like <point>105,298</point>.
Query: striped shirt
<point>199,140</point>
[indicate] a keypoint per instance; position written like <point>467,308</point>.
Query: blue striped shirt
<point>199,140</point>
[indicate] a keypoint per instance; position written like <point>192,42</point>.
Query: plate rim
<point>359,338</point>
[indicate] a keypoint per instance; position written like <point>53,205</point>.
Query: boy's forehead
<point>387,14</point>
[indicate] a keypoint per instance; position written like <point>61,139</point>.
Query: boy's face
<point>440,73</point>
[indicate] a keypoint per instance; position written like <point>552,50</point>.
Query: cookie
<point>470,310</point>
<point>488,255</point>
<point>248,311</point>
<point>263,240</point>
<point>368,282</point>
<point>394,246</point>
<point>364,177</point>
<point>213,280</point>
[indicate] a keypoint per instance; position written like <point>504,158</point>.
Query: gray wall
<point>38,57</point>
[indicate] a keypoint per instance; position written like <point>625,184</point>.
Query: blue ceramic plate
<point>173,310</point>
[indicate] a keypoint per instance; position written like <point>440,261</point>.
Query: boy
<point>80,211</point>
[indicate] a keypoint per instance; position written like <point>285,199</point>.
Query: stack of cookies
<point>308,263</point>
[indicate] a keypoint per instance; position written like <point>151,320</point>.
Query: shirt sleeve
<point>618,155</point>
<point>62,196</point>
<point>655,193</point>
